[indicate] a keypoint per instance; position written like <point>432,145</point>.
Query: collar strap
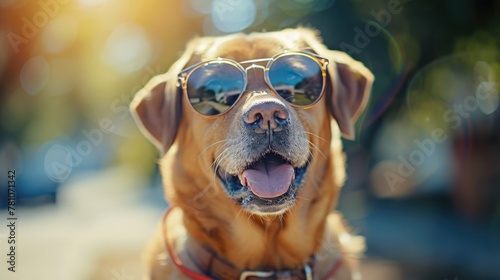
<point>211,264</point>
<point>218,268</point>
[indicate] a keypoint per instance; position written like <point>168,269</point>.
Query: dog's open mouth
<point>267,186</point>
<point>268,177</point>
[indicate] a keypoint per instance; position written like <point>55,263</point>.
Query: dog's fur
<point>192,147</point>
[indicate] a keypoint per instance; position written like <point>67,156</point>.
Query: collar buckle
<point>308,272</point>
<point>266,274</point>
<point>260,274</point>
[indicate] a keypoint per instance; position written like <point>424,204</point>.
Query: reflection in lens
<point>214,87</point>
<point>297,78</point>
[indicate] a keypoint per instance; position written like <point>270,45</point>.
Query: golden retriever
<point>249,129</point>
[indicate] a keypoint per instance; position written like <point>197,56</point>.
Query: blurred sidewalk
<point>97,230</point>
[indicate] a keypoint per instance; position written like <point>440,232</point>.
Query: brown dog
<point>252,161</point>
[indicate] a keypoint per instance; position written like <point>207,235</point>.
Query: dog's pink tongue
<point>269,179</point>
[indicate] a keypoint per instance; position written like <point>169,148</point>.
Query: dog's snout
<point>267,115</point>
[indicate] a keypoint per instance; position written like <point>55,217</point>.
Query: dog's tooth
<point>242,178</point>
<point>293,176</point>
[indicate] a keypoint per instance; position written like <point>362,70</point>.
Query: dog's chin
<point>258,200</point>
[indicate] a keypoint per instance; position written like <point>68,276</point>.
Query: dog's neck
<point>262,242</point>
<point>196,259</point>
<point>326,260</point>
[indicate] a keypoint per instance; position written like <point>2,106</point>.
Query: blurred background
<point>424,172</point>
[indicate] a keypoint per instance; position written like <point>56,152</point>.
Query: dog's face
<point>263,153</point>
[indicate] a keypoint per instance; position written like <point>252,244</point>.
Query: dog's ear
<point>350,84</point>
<point>156,108</point>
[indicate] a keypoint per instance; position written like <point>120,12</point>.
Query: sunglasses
<point>213,87</point>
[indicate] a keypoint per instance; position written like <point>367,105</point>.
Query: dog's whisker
<point>223,146</point>
<point>249,217</point>
<point>312,158</point>
<point>288,213</point>
<point>317,136</point>
<point>216,164</point>
<point>304,198</point>
<point>238,214</point>
<point>316,148</point>
<point>210,146</point>
<point>220,156</point>
<point>218,160</point>
<point>274,218</point>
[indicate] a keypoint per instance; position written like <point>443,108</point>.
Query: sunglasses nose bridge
<point>256,79</point>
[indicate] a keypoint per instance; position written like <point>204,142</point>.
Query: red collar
<point>233,273</point>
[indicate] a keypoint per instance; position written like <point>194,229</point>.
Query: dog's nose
<point>266,115</point>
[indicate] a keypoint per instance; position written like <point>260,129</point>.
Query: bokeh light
<point>34,75</point>
<point>233,16</point>
<point>128,48</point>
<point>60,33</point>
<point>57,161</point>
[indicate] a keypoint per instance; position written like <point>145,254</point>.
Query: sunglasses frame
<point>184,75</point>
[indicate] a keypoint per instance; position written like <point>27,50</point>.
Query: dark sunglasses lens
<point>297,78</point>
<point>213,88</point>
